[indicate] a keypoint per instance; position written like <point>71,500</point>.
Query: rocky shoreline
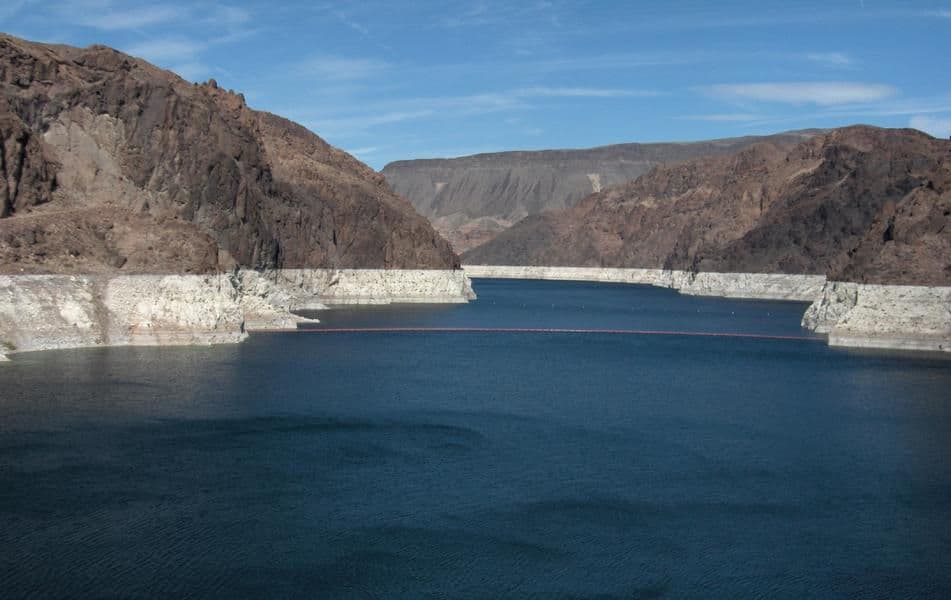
<point>901,317</point>
<point>897,317</point>
<point>761,286</point>
<point>47,312</point>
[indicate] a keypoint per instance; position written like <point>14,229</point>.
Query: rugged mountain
<point>472,199</point>
<point>858,204</point>
<point>108,163</point>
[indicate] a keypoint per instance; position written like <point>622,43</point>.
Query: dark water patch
<point>612,511</point>
<point>648,592</point>
<point>279,425</point>
<point>477,465</point>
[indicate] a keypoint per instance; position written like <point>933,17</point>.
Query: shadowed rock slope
<point>472,199</point>
<point>857,204</point>
<point>109,164</point>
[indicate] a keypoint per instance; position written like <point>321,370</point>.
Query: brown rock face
<point>859,204</point>
<point>158,174</point>
<point>472,199</point>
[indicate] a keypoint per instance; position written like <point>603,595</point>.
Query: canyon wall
<point>859,204</point>
<point>140,208</point>
<point>472,199</point>
<point>109,164</point>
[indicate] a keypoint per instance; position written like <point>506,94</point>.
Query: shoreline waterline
<point>49,312</point>
<point>852,315</point>
<point>546,330</point>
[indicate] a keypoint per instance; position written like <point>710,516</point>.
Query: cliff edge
<point>139,208</point>
<point>112,165</point>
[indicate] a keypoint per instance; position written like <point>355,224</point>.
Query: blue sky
<point>395,80</point>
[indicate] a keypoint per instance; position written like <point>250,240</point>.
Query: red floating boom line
<point>327,330</point>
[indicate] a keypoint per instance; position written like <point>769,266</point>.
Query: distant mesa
<point>472,199</point>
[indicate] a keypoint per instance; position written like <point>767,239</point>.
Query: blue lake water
<point>472,465</point>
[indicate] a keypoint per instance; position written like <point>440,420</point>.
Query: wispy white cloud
<point>582,92</point>
<point>180,55</point>
<point>228,15</point>
<point>221,25</point>
<point>476,14</point>
<point>481,13</point>
<point>355,122</point>
<point>373,114</point>
<point>924,109</point>
<point>936,126</point>
<point>352,24</point>
<point>620,61</point>
<point>366,19</point>
<point>545,60</point>
<point>110,18</point>
<point>341,68</point>
<point>11,8</point>
<point>830,59</point>
<point>819,93</point>
<point>366,151</point>
<point>193,71</point>
<point>658,17</point>
<point>164,50</point>
<point>348,125</point>
<point>109,15</point>
<point>725,117</point>
<point>895,107</point>
<point>358,119</point>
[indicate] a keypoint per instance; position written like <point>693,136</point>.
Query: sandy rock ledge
<point>45,312</point>
<point>902,317</point>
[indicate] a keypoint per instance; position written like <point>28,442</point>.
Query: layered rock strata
<point>902,317</point>
<point>376,286</point>
<point>46,312</point>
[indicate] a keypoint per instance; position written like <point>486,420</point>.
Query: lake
<point>483,464</point>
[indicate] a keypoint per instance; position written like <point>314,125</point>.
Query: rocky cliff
<point>111,165</point>
<point>46,312</point>
<point>472,199</point>
<point>858,204</point>
<point>901,317</point>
